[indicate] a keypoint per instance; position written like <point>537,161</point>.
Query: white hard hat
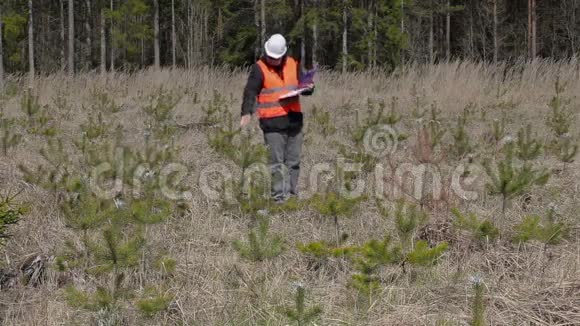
<point>276,46</point>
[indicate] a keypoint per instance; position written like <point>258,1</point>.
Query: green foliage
<point>527,148</point>
<point>8,137</point>
<point>322,250</point>
<point>39,121</point>
<point>374,255</point>
<point>509,180</point>
<point>498,129</point>
<point>100,299</point>
<point>323,122</point>
<point>153,302</point>
<point>436,132</point>
<point>481,230</point>
<point>10,214</point>
<point>545,230</point>
<point>478,312</point>
<point>134,30</point>
<point>561,117</point>
<point>422,255</point>
<point>102,102</point>
<point>566,149</point>
<point>407,219</point>
<point>215,110</point>
<point>95,127</point>
<point>300,314</point>
<point>222,141</point>
<point>462,144</point>
<point>159,110</point>
<point>260,244</point>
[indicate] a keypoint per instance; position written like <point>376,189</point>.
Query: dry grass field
<point>535,282</point>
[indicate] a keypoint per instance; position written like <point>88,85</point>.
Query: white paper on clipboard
<point>307,79</point>
<point>294,93</point>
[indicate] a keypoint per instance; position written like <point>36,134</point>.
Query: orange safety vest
<point>274,86</point>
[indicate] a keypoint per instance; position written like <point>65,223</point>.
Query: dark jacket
<point>291,122</point>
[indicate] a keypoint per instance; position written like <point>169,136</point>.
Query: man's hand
<point>245,120</point>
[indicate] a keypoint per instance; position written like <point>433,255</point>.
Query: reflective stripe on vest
<point>269,104</point>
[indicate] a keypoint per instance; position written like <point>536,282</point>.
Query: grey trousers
<point>285,149</point>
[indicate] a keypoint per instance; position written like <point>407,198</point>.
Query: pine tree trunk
<point>156,32</point>
<point>344,37</point>
<point>532,29</point>
<point>189,34</point>
<point>370,34</point>
<point>103,43</point>
<point>471,38</point>
<point>112,39</point>
<point>62,41</point>
<point>257,26</point>
<point>303,38</point>
<point>71,38</point>
<point>173,35</point>
<point>495,40</point>
<point>401,51</point>
<point>89,30</point>
<point>262,23</point>
<point>448,32</point>
<point>431,35</point>
<point>1,53</point>
<point>30,43</point>
<point>315,37</point>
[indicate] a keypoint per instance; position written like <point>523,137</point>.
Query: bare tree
<point>103,43</point>
<point>112,39</point>
<point>431,34</point>
<point>257,25</point>
<point>315,35</point>
<point>1,54</point>
<point>532,51</point>
<point>30,42</point>
<point>495,40</point>
<point>262,22</point>
<point>344,36</point>
<point>89,31</point>
<point>173,37</point>
<point>448,31</point>
<point>156,32</point>
<point>62,34</point>
<point>71,38</point>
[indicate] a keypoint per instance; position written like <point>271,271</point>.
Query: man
<point>281,120</point>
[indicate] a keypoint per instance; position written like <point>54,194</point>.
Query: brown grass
<point>214,286</point>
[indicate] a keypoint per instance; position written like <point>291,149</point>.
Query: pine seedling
<point>153,302</point>
<point>300,315</point>
<point>419,102</point>
<point>215,109</point>
<point>546,230</point>
<point>481,230</point>
<point>101,101</point>
<point>334,205</point>
<point>8,138</point>
<point>407,219</point>
<point>462,145</point>
<point>374,255</point>
<point>95,128</point>
<point>478,310</point>
<point>436,132</point>
<point>498,129</point>
<point>10,214</point>
<point>260,245</point>
<point>323,122</point>
<point>566,149</point>
<point>561,117</point>
<point>222,141</point>
<point>527,148</point>
<point>423,255</point>
<point>508,180</point>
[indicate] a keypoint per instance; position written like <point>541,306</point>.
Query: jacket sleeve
<point>252,89</point>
